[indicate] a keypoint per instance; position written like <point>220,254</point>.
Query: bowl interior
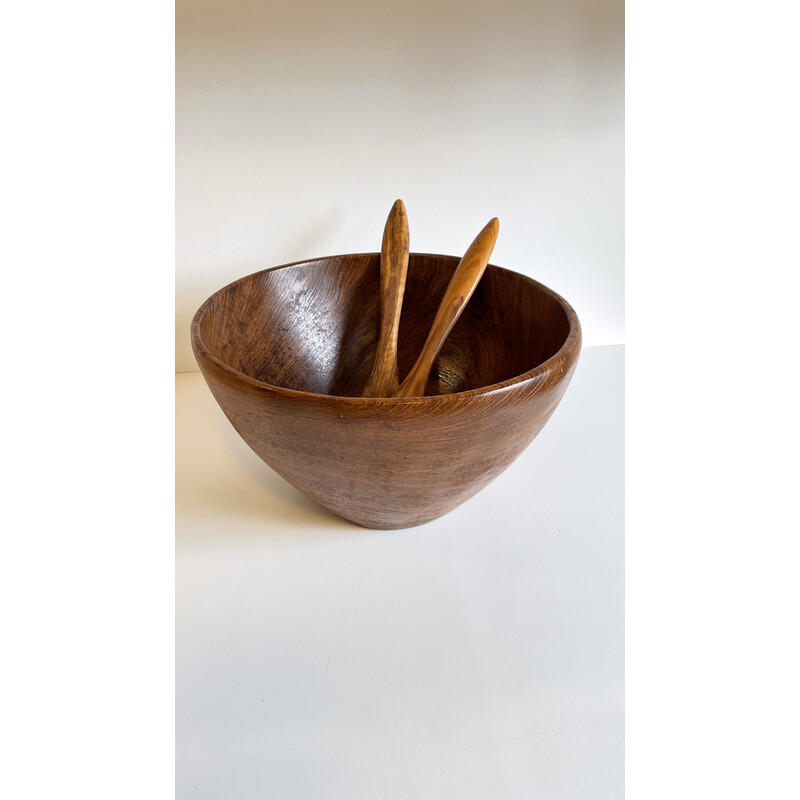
<point>313,326</point>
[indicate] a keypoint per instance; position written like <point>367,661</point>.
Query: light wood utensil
<point>465,278</point>
<point>384,380</point>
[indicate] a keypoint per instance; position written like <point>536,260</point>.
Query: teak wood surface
<point>456,296</point>
<point>384,379</point>
<point>287,353</point>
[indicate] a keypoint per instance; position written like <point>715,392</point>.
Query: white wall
<point>298,123</point>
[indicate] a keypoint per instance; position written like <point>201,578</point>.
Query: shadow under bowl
<point>287,351</point>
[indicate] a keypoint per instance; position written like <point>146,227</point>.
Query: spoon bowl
<point>287,353</point>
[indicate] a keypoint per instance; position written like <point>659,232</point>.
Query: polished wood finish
<point>456,296</point>
<point>287,353</point>
<point>384,379</point>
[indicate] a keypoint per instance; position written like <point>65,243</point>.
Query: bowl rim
<point>570,346</point>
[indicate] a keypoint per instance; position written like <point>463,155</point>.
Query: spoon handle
<point>384,381</point>
<point>458,292</point>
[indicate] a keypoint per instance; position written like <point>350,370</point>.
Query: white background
<point>479,655</point>
<point>298,123</point>
<point>711,512</point>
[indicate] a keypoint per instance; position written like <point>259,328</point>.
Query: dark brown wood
<point>384,379</point>
<point>456,296</point>
<point>287,353</point>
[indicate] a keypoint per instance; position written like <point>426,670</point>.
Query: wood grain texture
<point>287,353</point>
<point>384,379</point>
<point>456,296</point>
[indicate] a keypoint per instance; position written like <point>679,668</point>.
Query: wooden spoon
<point>384,380</point>
<point>468,272</point>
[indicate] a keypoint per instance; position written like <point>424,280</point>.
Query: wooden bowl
<point>287,352</point>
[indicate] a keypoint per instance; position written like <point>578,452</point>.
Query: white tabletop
<point>478,656</point>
